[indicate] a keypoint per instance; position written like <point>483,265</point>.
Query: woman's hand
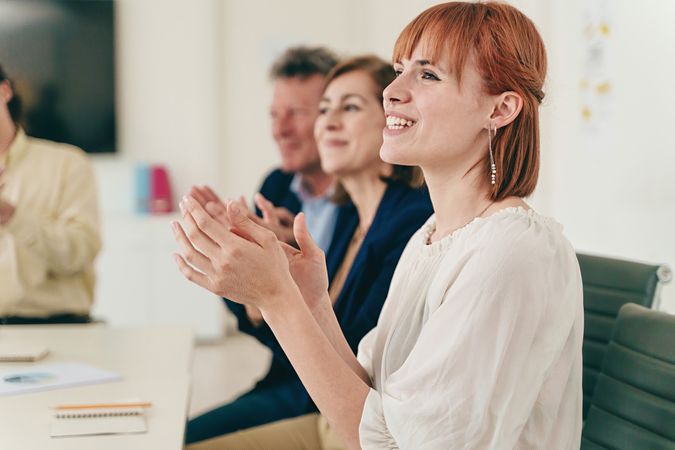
<point>244,262</point>
<point>216,207</point>
<point>204,194</point>
<point>307,265</point>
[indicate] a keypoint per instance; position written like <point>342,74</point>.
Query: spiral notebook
<point>98,419</point>
<point>11,351</point>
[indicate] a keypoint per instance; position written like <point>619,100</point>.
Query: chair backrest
<point>634,402</point>
<point>608,285</point>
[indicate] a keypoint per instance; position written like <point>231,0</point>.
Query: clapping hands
<point>227,251</point>
<point>277,219</point>
<point>232,257</point>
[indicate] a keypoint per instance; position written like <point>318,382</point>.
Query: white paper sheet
<point>42,377</point>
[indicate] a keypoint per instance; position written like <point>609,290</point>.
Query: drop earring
<point>493,168</point>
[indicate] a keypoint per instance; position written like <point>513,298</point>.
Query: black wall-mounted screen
<point>59,55</point>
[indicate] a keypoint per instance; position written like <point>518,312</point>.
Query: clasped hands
<point>225,250</point>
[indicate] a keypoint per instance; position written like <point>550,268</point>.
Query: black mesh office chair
<point>633,406</point>
<point>608,285</point>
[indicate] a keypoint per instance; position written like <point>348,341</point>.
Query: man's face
<point>295,107</point>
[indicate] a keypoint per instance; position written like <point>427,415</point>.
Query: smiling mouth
<point>399,123</point>
<point>335,142</point>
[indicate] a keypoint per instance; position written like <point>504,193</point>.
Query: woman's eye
<point>430,76</point>
<point>323,111</point>
<point>398,72</point>
<point>351,107</point>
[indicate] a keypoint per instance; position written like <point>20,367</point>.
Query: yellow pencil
<point>105,405</point>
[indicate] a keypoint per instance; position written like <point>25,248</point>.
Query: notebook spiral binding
<point>101,414</point>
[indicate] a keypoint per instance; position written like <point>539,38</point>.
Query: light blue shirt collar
<point>320,212</point>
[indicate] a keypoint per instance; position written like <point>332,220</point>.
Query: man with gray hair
<point>298,185</point>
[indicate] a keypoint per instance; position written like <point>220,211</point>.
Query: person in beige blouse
<point>49,225</point>
<point>478,345</point>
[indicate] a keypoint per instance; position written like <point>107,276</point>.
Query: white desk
<point>154,363</point>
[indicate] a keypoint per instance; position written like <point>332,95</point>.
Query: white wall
<point>255,33</point>
<point>613,188</point>
<point>168,65</point>
<point>168,85</point>
<point>168,74</point>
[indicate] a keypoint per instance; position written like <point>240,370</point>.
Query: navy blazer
<point>277,189</point>
<point>401,212</point>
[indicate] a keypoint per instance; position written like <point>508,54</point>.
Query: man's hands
<point>277,219</point>
<point>6,208</point>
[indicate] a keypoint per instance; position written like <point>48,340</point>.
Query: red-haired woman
<point>479,341</point>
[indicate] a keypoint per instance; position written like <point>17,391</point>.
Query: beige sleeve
<point>33,245</point>
<point>20,269</point>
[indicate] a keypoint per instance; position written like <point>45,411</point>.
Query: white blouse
<point>479,342</point>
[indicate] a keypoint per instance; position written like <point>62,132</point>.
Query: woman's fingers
<point>303,238</point>
<point>257,220</point>
<point>218,212</point>
<point>206,226</point>
<point>211,195</point>
<point>215,208</point>
<point>198,237</point>
<point>252,231</point>
<point>190,254</point>
<point>251,214</point>
<point>197,194</point>
<point>191,274</point>
<point>289,250</point>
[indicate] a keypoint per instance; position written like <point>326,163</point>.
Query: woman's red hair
<point>510,56</point>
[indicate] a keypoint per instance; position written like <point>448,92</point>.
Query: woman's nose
<point>396,92</point>
<point>333,121</point>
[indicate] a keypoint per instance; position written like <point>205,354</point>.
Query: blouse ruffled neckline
<point>441,245</point>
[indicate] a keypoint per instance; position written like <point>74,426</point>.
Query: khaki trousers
<point>310,432</point>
